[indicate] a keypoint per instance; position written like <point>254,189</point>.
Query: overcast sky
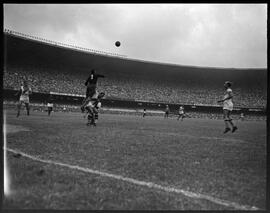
<point>214,35</point>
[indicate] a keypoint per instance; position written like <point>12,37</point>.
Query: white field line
<point>142,183</point>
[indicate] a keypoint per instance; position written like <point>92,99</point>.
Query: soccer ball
<point>117,43</point>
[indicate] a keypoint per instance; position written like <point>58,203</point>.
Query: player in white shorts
<point>50,105</point>
<point>24,93</point>
<point>92,108</point>
<point>181,113</point>
<point>228,107</point>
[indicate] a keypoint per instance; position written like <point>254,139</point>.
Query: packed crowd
<point>47,80</point>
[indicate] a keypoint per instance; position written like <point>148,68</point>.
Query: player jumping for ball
<point>24,93</point>
<point>228,107</point>
<point>91,84</point>
<point>92,109</point>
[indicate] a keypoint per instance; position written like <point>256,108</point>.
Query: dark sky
<point>215,35</point>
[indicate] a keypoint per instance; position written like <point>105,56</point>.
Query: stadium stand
<point>44,80</point>
<point>51,67</point>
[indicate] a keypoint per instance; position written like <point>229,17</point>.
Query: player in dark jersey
<point>92,108</point>
<point>144,113</point>
<point>91,85</point>
<point>167,111</point>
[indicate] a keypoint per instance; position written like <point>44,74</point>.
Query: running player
<point>92,108</point>
<point>228,107</point>
<point>167,111</point>
<point>181,113</point>
<point>91,84</point>
<point>24,93</point>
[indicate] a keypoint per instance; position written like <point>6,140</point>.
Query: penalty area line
<point>141,183</point>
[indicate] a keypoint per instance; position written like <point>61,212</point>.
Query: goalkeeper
<point>91,84</point>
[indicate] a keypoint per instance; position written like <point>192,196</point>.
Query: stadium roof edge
<point>107,54</point>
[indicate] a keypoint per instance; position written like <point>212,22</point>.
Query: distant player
<point>92,109</point>
<point>228,107</point>
<point>91,85</point>
<point>181,113</point>
<point>167,111</point>
<point>50,105</point>
<point>242,116</point>
<point>144,113</point>
<point>23,93</point>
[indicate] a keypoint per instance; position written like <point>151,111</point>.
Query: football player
<point>228,107</point>
<point>23,93</point>
<point>92,109</point>
<point>242,116</point>
<point>50,105</point>
<point>167,111</point>
<point>181,113</point>
<point>91,84</point>
<point>144,113</point>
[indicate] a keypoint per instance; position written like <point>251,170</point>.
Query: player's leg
<point>85,100</point>
<point>89,116</point>
<point>226,120</point>
<point>89,119</point>
<point>27,108</point>
<point>19,108</point>
<point>49,111</point>
<point>90,91</point>
<point>234,128</point>
<point>95,116</point>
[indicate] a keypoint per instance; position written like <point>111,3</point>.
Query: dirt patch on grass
<point>15,128</point>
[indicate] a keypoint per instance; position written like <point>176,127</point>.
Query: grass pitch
<point>193,155</point>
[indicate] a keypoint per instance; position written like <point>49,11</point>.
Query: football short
<point>24,99</point>
<point>228,106</point>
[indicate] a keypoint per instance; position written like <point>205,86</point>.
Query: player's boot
<point>234,128</point>
<point>227,130</point>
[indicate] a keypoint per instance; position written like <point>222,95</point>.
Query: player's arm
<point>230,95</point>
<point>100,76</point>
<point>18,93</point>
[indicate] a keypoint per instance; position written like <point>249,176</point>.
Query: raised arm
<point>100,76</point>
